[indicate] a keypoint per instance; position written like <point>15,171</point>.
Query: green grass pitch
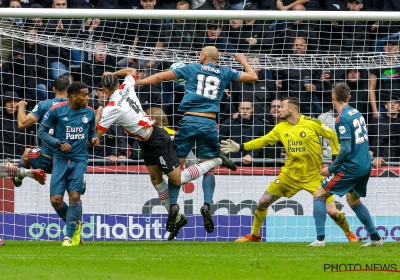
<point>191,260</point>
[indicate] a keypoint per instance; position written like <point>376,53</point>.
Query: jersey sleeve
<point>38,111</point>
<point>49,118</point>
<point>270,139</point>
<point>344,129</point>
<point>326,132</point>
<point>182,73</point>
<point>129,80</point>
<point>109,116</point>
<point>234,75</point>
<point>92,129</point>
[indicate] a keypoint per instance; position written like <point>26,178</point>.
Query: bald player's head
<point>209,54</point>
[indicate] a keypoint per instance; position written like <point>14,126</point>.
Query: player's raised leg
<point>24,163</point>
<point>12,172</point>
<point>259,216</point>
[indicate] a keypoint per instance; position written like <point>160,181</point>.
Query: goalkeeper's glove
<point>229,146</point>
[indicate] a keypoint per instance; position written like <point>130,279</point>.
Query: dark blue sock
<point>364,216</point>
<point>319,213</point>
<point>74,214</point>
<point>173,192</point>
<point>23,163</point>
<point>208,186</point>
<point>62,211</point>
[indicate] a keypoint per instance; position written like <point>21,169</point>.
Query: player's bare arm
<point>98,114</point>
<point>24,120</point>
<point>123,72</point>
<point>157,78</point>
<point>249,76</point>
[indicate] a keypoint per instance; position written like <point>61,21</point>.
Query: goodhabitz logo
<point>106,227</point>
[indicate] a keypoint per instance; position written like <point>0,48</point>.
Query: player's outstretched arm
<point>24,120</point>
<point>157,78</point>
<point>123,72</point>
<point>249,76</point>
<point>229,146</point>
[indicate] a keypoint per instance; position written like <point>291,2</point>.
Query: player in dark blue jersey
<point>349,173</point>
<point>41,157</point>
<point>74,125</point>
<point>205,84</point>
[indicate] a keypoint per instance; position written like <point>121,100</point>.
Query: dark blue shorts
<point>200,130</point>
<point>68,176</point>
<point>38,160</point>
<point>341,183</point>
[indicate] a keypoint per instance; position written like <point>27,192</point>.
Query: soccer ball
<point>175,66</point>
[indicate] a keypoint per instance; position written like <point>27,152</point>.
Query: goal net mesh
<point>301,58</point>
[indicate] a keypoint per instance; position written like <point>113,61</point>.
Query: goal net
<point>300,54</point>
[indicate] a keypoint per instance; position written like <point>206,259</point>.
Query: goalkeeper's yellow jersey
<point>302,145</point>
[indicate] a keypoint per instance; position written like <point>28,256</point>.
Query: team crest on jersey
<point>85,119</point>
<point>302,134</point>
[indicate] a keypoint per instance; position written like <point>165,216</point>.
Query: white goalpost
<point>290,50</point>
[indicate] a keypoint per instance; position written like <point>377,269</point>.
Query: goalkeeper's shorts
<point>283,186</point>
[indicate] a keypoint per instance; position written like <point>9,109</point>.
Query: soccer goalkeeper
<point>300,136</point>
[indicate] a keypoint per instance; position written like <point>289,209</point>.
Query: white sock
<point>195,171</point>
<point>7,171</point>
<point>23,172</point>
<point>162,190</point>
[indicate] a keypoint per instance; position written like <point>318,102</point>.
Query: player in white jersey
<point>159,156</point>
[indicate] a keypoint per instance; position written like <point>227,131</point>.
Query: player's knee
<point>332,211</point>
<point>74,196</point>
<point>319,192</point>
<point>175,181</point>
<point>56,201</point>
<point>264,203</point>
<point>351,198</point>
<point>25,155</point>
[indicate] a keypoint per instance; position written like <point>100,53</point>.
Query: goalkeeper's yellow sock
<point>342,223</point>
<point>259,217</point>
